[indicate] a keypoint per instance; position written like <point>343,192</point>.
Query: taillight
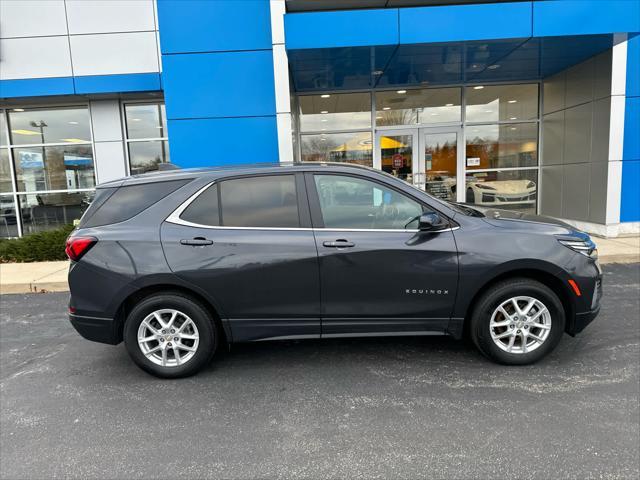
<point>78,246</point>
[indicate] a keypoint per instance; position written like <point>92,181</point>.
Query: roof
<point>227,170</point>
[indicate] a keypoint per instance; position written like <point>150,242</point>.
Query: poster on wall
<point>473,161</point>
<point>30,160</point>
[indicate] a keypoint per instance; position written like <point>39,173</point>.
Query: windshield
<point>465,209</point>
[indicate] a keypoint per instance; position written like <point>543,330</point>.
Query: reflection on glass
<point>504,146</point>
<point>147,156</point>
<point>60,125</point>
<point>8,219</point>
<point>338,147</point>
<point>336,111</point>
<point>501,103</point>
<point>396,152</point>
<point>48,211</point>
<point>440,158</point>
<point>146,120</point>
<point>5,171</point>
<point>405,107</point>
<point>3,130</point>
<point>65,167</point>
<point>510,189</point>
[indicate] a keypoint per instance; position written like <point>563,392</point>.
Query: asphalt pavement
<point>388,408</point>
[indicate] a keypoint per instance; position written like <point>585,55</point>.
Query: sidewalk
<point>52,276</point>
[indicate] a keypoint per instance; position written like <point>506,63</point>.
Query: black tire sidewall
<point>493,298</point>
<point>207,342</point>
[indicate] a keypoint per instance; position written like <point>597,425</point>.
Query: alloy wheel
<point>520,325</point>
<point>168,337</point>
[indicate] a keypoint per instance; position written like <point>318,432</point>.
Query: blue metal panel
<point>348,28</point>
<point>630,195</point>
<point>134,82</point>
<point>631,149</point>
<point>212,26</point>
<point>229,84</point>
<point>633,66</point>
<point>585,17</point>
<point>33,87</point>
<point>465,22</point>
<point>228,141</point>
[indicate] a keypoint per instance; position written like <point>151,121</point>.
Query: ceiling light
<point>25,132</point>
<point>324,120</point>
<point>493,67</point>
<point>73,140</point>
<point>488,111</point>
<point>449,105</point>
<point>135,119</point>
<point>513,118</point>
<point>73,123</point>
<point>435,114</point>
<point>478,87</point>
<point>18,109</point>
<point>324,111</point>
<point>377,72</point>
<point>159,126</point>
<point>386,108</point>
<point>513,101</point>
<point>401,92</point>
<point>326,95</point>
<point>379,117</point>
<point>514,128</point>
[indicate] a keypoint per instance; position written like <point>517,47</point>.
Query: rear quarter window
<point>119,204</point>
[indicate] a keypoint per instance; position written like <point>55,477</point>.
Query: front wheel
<point>170,335</point>
<point>517,322</point>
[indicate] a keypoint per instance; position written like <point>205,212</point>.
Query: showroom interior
<point>524,105</point>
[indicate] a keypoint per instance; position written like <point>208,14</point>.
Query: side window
<point>349,202</point>
<point>269,201</point>
<point>204,209</point>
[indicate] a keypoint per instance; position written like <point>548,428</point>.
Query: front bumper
<point>103,330</point>
<point>582,320</point>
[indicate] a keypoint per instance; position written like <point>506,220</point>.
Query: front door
<point>378,273</point>
<point>428,158</point>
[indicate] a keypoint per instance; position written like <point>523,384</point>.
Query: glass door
<point>440,167</point>
<point>396,152</point>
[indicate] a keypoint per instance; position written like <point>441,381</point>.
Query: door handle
<point>196,242</point>
<point>339,244</point>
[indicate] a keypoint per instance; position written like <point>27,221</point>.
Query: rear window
<point>260,202</point>
<point>114,205</point>
<point>204,209</point>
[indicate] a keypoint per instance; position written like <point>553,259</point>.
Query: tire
<point>470,196</point>
<point>551,314</point>
<point>193,353</point>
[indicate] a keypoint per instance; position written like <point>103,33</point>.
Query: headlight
<point>531,185</point>
<point>486,187</point>
<point>585,247</point>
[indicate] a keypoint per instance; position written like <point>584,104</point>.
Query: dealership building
<point>525,105</point>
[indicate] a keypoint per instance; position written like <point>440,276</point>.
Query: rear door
<point>247,242</point>
<point>379,274</point>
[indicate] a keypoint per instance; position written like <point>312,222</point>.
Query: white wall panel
<point>106,120</point>
<point>114,53</point>
<point>103,16</point>
<point>110,161</point>
<point>37,57</point>
<point>34,18</point>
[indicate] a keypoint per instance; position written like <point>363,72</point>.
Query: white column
<point>108,154</point>
<point>281,78</point>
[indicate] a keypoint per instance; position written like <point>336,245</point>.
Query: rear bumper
<point>103,330</point>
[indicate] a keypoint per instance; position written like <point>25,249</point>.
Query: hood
<point>506,218</point>
<point>508,186</point>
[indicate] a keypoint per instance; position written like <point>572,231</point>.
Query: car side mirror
<point>429,221</point>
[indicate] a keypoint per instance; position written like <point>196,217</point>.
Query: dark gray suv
<point>177,263</point>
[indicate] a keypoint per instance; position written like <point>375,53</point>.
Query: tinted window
<point>129,201</point>
<point>260,202</point>
<point>204,209</point>
<point>349,202</point>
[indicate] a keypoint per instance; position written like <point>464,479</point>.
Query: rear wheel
<point>170,335</point>
<point>517,322</point>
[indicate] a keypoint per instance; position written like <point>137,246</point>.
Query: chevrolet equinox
<point>177,263</point>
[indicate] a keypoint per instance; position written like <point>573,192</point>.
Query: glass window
<point>8,219</point>
<point>127,202</point>
<point>61,125</point>
<point>506,189</point>
<point>336,111</point>
<point>5,171</point>
<point>65,167</point>
<point>3,130</point>
<point>405,107</point>
<point>501,103</point>
<point>502,146</point>
<point>48,211</point>
<point>146,156</point>
<point>338,147</point>
<point>204,209</point>
<point>146,120</point>
<point>269,201</point>
<point>349,202</point>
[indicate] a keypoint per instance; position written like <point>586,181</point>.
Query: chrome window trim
<point>174,218</point>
